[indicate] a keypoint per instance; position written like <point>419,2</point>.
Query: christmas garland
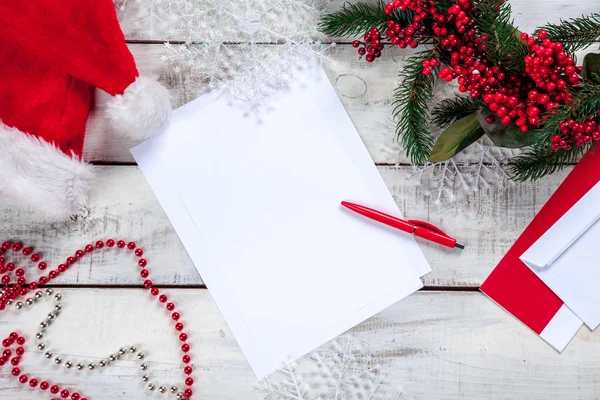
<point>522,91</point>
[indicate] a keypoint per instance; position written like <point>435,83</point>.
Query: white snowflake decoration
<point>226,43</point>
<point>343,369</point>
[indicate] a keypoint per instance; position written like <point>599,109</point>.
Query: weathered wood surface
<point>488,222</point>
<point>439,345</point>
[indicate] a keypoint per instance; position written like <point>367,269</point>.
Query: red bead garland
<point>19,289</point>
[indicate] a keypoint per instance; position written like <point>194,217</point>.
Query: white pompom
<point>141,111</point>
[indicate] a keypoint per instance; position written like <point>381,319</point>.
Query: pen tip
<point>460,246</point>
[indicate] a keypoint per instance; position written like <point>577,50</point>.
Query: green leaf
<point>509,136</point>
<point>457,137</point>
<point>591,67</point>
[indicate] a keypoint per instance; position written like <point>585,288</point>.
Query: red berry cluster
<point>372,45</point>
<point>576,134</point>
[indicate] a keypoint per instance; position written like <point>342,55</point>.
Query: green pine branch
<point>450,110</point>
<point>411,110</point>
<point>539,160</point>
<point>576,33</point>
<point>505,48</point>
<point>357,18</point>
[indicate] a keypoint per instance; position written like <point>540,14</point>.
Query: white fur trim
<point>142,110</point>
<point>37,175</point>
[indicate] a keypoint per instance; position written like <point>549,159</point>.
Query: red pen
<point>420,229</point>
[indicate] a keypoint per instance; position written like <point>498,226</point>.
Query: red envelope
<point>517,289</point>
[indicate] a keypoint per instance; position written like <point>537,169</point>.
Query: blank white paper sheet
<point>256,204</point>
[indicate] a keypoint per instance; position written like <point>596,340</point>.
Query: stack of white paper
<point>257,206</point>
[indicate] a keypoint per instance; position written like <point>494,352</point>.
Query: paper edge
<point>562,328</point>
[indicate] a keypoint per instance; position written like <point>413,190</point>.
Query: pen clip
<point>427,225</point>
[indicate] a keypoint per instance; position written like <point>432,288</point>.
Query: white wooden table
<point>447,341</point>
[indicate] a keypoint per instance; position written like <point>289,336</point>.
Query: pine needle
<point>411,110</point>
<point>451,110</point>
<point>575,33</point>
<point>357,18</point>
<point>504,47</point>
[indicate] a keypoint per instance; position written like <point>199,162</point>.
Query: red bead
<point>33,382</point>
<point>15,361</point>
<point>17,247</point>
<point>163,298</point>
<point>44,385</point>
<point>15,372</point>
<point>89,248</point>
<point>64,394</point>
<point>183,337</point>
<point>121,244</point>
<point>185,347</point>
<point>6,353</point>
<point>110,242</point>
<point>62,268</point>
<point>6,279</point>
<point>175,316</point>
<point>35,257</point>
<point>131,246</point>
<point>79,253</point>
<point>42,266</point>
<point>71,260</point>
<point>54,389</point>
<point>99,245</point>
<point>188,370</point>
<point>188,393</point>
<point>6,245</point>
<point>43,280</point>
<point>154,291</point>
<point>23,379</point>
<point>179,327</point>
<point>144,273</point>
<point>170,306</point>
<point>147,283</point>
<point>142,262</point>
<point>7,342</point>
<point>53,274</point>
<point>20,351</point>
<point>10,267</point>
<point>186,359</point>
<point>189,381</point>
<point>20,340</point>
<point>139,252</point>
<point>20,272</point>
<point>75,396</point>
<point>33,285</point>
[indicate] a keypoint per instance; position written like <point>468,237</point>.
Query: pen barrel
<point>428,234</point>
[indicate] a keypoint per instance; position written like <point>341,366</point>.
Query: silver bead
<point>38,295</point>
<point>180,396</point>
<point>69,365</point>
<point>29,301</point>
<point>112,358</point>
<point>39,335</point>
<point>102,363</point>
<point>122,351</point>
<point>144,366</point>
<point>92,366</point>
<point>141,356</point>
<point>49,291</point>
<point>10,302</point>
<point>132,349</point>
<point>58,361</point>
<point>19,305</point>
<point>162,389</point>
<point>43,325</point>
<point>58,297</point>
<point>174,389</point>
<point>41,346</point>
<point>48,354</point>
<point>145,378</point>
<point>80,366</point>
<point>151,386</point>
<point>51,316</point>
<point>58,307</point>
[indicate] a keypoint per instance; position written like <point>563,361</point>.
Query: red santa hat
<point>52,56</point>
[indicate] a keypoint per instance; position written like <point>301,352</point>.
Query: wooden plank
<point>488,222</point>
<point>528,15</point>
<point>438,345</point>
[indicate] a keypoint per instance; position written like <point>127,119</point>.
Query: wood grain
<point>488,222</point>
<point>441,345</point>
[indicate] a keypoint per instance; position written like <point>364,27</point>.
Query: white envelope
<point>566,258</point>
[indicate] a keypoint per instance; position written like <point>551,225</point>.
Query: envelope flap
<point>565,231</point>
